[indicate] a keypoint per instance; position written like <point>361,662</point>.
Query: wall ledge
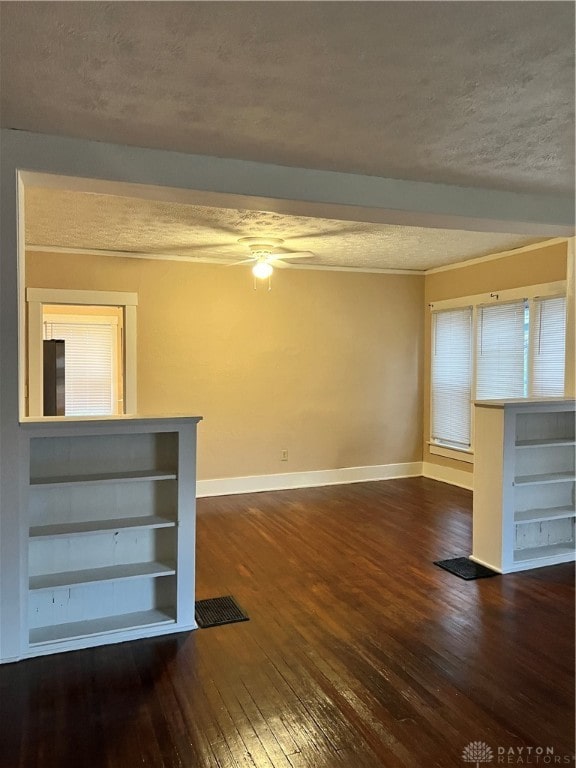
<point>255,483</point>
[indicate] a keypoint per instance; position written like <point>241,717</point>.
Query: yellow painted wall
<point>327,365</point>
<point>541,265</point>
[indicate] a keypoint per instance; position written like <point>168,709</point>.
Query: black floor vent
<point>218,610</point>
<point>465,568</point>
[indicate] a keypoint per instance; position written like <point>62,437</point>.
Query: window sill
<point>459,454</point>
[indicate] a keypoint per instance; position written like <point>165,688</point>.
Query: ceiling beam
<point>200,180</point>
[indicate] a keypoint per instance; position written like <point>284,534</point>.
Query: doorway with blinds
<point>81,353</point>
<point>90,359</point>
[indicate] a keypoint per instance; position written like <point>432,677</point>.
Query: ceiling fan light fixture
<point>262,270</point>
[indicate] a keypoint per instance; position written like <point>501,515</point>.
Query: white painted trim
<point>255,483</point>
<point>130,360</point>
<point>369,270</point>
<point>557,288</point>
<point>495,256</point>
<point>451,453</point>
<point>35,404</point>
<point>448,475</point>
<point>570,370</point>
<point>64,296</point>
<point>209,260</point>
<point>21,294</point>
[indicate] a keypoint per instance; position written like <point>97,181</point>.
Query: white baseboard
<point>252,484</point>
<point>448,475</point>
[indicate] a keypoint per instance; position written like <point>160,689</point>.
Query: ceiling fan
<point>265,255</point>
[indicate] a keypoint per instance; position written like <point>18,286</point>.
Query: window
<point>92,371</point>
<point>493,349</point>
<point>548,347</point>
<point>451,377</point>
<point>500,354</point>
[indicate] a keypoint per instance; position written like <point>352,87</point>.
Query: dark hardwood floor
<point>359,651</point>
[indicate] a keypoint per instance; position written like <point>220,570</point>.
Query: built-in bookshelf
<point>110,530</point>
<point>524,484</point>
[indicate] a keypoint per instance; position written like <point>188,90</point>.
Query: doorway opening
<point>85,369</point>
<point>81,353</point>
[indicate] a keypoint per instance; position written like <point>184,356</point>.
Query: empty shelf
<point>540,515</point>
<point>539,553</point>
<point>550,442</point>
<point>553,477</point>
<point>79,629</point>
<point>108,477</point>
<point>109,573</point>
<point>99,526</point>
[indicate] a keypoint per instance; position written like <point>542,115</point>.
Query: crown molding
<point>500,255</point>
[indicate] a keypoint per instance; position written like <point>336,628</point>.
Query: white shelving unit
<point>524,483</point>
<point>110,531</point>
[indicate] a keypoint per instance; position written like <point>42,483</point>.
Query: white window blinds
<point>451,377</point>
<point>90,365</point>
<point>502,335</point>
<point>547,347</point>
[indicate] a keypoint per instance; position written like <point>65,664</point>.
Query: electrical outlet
<point>284,455</point>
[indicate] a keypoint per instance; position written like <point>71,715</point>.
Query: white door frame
<point>37,297</point>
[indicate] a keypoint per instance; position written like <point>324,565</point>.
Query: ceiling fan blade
<point>243,261</point>
<point>296,255</point>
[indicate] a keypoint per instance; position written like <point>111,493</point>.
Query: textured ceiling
<point>91,221</point>
<point>473,93</point>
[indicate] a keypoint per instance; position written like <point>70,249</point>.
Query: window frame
<point>448,447</point>
<point>36,298</point>
<point>526,293</point>
<point>112,321</point>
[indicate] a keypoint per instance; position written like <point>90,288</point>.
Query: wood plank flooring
<point>359,651</point>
